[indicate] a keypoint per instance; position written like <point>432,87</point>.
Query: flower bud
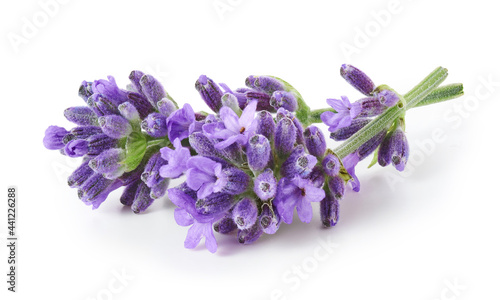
<point>284,99</point>
<point>250,235</point>
<point>96,189</point>
<point>336,185</point>
<point>269,221</point>
<point>152,89</point>
<point>85,90</point>
<point>394,149</point>
<point>370,107</point>
<point>155,125</point>
<point>388,98</point>
<point>329,211</point>
<point>102,106</point>
<point>141,104</point>
<point>214,204</point>
<point>370,146</point>
<point>202,144</point>
<point>315,141</point>
<point>263,100</point>
<point>265,124</point>
<point>159,189</point>
<point>286,135</point>
<point>53,139</point>
<point>265,84</point>
<point>282,113</point>
<point>210,92</point>
<point>166,106</point>
<point>128,195</point>
<point>317,176</point>
<point>231,101</point>
<point>237,181</point>
<point>115,126</point>
<point>265,185</point>
<point>151,174</point>
<point>76,148</point>
<point>298,163</point>
<point>99,143</point>
<point>331,165</point>
<point>357,79</point>
<point>81,115</point>
<point>245,213</point>
<point>80,175</point>
<point>82,133</point>
<point>225,225</point>
<point>346,132</point>
<point>108,163</point>
<point>129,112</point>
<point>258,152</point>
<point>142,199</point>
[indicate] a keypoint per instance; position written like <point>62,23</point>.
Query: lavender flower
<point>394,149</point>
<point>115,126</point>
<point>81,115</point>
<point>53,139</point>
<point>331,165</point>
<point>282,99</point>
<point>388,98</point>
<point>155,125</point>
<point>258,153</point>
<point>209,92</point>
<point>357,79</point>
<point>297,192</point>
<point>76,148</point>
<point>269,220</point>
<point>315,141</point>
<point>265,185</point>
<point>178,123</point>
<point>176,160</point>
<point>245,213</point>
<point>345,113</point>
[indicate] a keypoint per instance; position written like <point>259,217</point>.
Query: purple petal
<point>182,217</point>
<point>304,210</point>
<point>230,119</point>
<point>248,114</point>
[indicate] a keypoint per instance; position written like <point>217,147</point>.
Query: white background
<point>402,237</point>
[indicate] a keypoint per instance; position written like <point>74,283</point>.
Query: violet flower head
<point>155,125</point>
<point>297,192</point>
<point>345,113</point>
<point>176,160</point>
<point>110,90</point>
<point>178,122</point>
<point>76,148</point>
<point>357,79</point>
<point>204,176</point>
<point>237,129</point>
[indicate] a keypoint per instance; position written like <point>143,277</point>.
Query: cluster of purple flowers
<point>248,166</point>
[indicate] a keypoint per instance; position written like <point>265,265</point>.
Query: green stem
<point>443,93</point>
<point>315,115</point>
<point>413,97</point>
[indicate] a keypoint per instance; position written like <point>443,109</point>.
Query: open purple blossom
<point>345,113</point>
<point>176,160</point>
<point>53,139</point>
<point>297,192</point>
<point>236,129</point>
<point>204,176</point>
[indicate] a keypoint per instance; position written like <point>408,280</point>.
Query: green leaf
<point>135,148</point>
<point>303,111</point>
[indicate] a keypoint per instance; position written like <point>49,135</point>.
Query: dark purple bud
<point>202,144</point>
<point>152,89</point>
<point>237,181</point>
<point>82,132</point>
<point>233,153</point>
<point>108,163</point>
<point>269,221</point>
<point>214,204</point>
<point>394,149</point>
<point>245,213</point>
<point>141,103</point>
<point>76,148</point>
<point>102,106</point>
<point>81,115</point>
<point>115,126</point>
<point>315,141</point>
<point>298,163</point>
<point>210,92</point>
<point>129,112</point>
<point>85,90</point>
<point>100,142</point>
<point>265,124</point>
<point>317,176</point>
<point>357,79</point>
<point>284,99</point>
<point>329,211</point>
<point>142,199</point>
<point>240,94</point>
<point>53,139</point>
<point>265,84</point>
<point>166,106</point>
<point>331,165</point>
<point>198,116</point>
<point>370,107</point>
<point>159,190</point>
<point>263,100</point>
<point>151,174</point>
<point>225,225</point>
<point>155,125</point>
<point>250,235</point>
<point>258,152</point>
<point>265,185</point>
<point>286,135</point>
<point>96,189</point>
<point>80,175</point>
<point>282,113</point>
<point>370,146</point>
<point>388,98</point>
<point>135,80</point>
<point>336,185</point>
<point>346,132</point>
<point>128,195</point>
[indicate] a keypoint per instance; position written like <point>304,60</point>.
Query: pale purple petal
<point>248,114</point>
<point>196,178</point>
<point>304,210</point>
<point>182,217</point>
<point>230,119</point>
<point>206,189</point>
